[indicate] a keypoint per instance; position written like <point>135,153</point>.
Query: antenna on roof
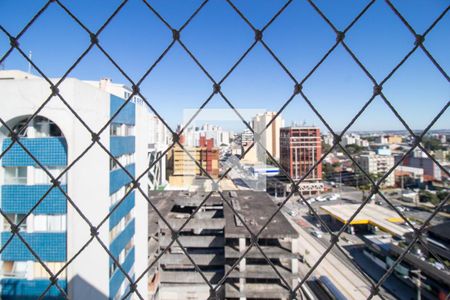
<point>29,62</point>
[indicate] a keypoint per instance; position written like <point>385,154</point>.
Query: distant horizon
<point>241,127</point>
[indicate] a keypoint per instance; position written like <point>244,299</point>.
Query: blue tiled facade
<point>127,114</point>
<point>119,178</point>
<point>122,210</point>
<point>20,199</point>
<point>51,152</point>
<point>118,277</point>
<point>49,246</point>
<point>119,243</point>
<point>15,288</point>
<point>128,288</point>
<point>120,145</point>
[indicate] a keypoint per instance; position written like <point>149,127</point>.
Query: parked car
<point>316,233</point>
<point>301,258</point>
<point>378,202</point>
<point>321,199</point>
<point>400,208</point>
<point>311,200</point>
<point>334,197</point>
<point>439,266</point>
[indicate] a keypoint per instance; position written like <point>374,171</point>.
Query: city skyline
<point>258,82</point>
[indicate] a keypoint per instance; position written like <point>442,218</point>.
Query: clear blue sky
<point>218,36</point>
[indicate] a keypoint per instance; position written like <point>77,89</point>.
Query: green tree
<point>370,139</point>
<point>325,147</point>
<point>432,144</point>
<point>327,170</point>
<point>442,195</point>
<point>426,196</point>
<point>354,149</point>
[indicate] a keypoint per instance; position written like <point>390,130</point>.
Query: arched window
<point>36,128</point>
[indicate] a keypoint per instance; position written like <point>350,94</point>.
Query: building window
<point>37,128</point>
<point>129,130</point>
<point>50,223</point>
<point>128,217</point>
<point>16,175</point>
<point>124,160</point>
<point>15,218</point>
<point>117,196</point>
<point>45,128</point>
<point>116,230</point>
<point>121,130</point>
<point>128,247</point>
<point>112,269</point>
<point>41,176</point>
<point>14,268</point>
<point>18,128</point>
<point>40,272</point>
<point>112,164</point>
<point>114,129</point>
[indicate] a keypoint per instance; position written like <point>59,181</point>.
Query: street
<point>346,280</point>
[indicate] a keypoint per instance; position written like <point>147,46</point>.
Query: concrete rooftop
<point>255,208</point>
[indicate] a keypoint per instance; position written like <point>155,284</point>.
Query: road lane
<point>345,279</point>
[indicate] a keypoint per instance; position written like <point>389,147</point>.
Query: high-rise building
<point>300,149</point>
<point>95,183</point>
<point>270,138</point>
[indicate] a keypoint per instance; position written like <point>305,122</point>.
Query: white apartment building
<point>354,139</point>
<point>55,230</point>
<point>328,139</point>
<point>270,138</point>
<point>378,164</point>
<point>218,134</point>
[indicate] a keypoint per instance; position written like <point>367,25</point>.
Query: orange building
<point>183,168</point>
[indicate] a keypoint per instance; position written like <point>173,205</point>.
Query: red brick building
<point>300,149</point>
<point>209,156</point>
